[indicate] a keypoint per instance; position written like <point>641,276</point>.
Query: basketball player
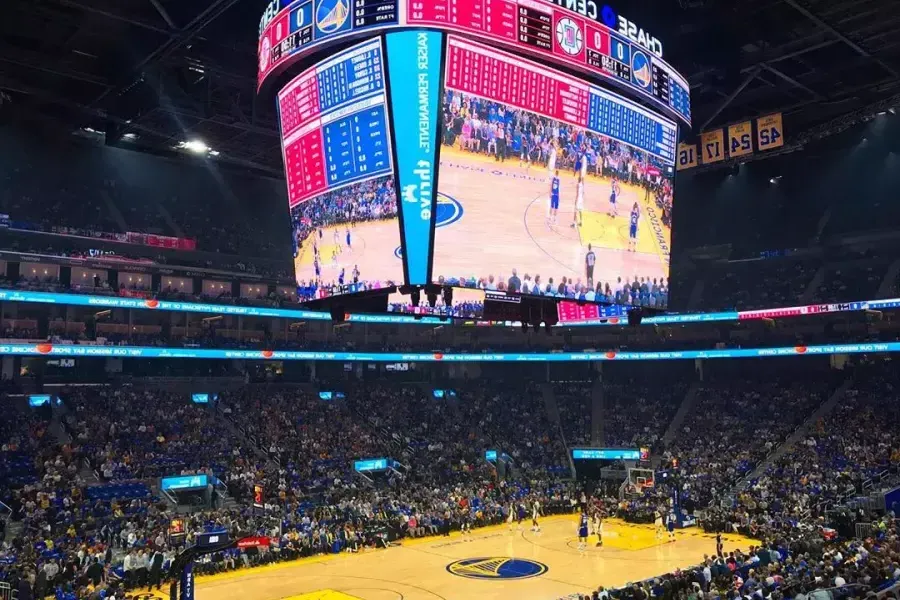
<point>613,193</point>
<point>337,240</point>
<point>720,548</point>
<point>465,524</point>
<point>633,227</point>
<point>579,203</point>
<point>598,527</point>
<point>511,516</point>
<point>348,239</point>
<point>551,162</point>
<point>590,259</point>
<point>582,532</point>
<point>670,525</point>
<point>658,520</point>
<point>535,513</point>
<point>317,267</point>
<point>521,515</point>
<point>554,198</point>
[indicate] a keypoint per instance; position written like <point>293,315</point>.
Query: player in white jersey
<point>511,516</point>
<point>535,513</point>
<point>579,203</point>
<point>551,162</point>
<point>658,521</point>
<point>337,240</point>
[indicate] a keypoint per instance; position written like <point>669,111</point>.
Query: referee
<point>590,259</point>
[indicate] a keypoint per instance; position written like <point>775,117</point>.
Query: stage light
<point>195,146</point>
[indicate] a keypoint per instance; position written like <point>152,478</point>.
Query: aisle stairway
<point>824,409</point>
<point>687,405</point>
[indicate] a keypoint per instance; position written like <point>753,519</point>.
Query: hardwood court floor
<point>504,224</point>
<point>372,249</point>
<point>419,569</point>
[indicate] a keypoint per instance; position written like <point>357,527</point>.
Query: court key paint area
<point>495,564</point>
<point>504,224</point>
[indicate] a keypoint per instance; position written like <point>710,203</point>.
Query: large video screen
<point>548,184</point>
<point>338,166</point>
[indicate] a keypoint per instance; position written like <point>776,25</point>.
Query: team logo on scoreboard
<point>265,49</point>
<point>569,36</point>
<point>448,211</point>
<point>640,69</point>
<point>332,15</point>
<point>497,568</point>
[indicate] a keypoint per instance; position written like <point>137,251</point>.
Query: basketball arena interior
<point>449,300</point>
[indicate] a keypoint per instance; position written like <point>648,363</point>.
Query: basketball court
<point>374,250</point>
<point>496,564</point>
<point>504,224</point>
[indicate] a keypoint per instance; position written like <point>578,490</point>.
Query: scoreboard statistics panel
<point>334,123</point>
<point>337,157</point>
<point>565,186</point>
<point>482,71</point>
<point>576,312</point>
<point>536,27</point>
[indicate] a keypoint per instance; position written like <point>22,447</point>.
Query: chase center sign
<point>609,17</point>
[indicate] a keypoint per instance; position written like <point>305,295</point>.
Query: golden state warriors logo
<point>569,36</point>
<point>332,15</point>
<point>497,568</point>
<point>640,69</point>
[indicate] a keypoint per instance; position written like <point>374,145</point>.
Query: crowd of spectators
<point>339,212</point>
<point>300,447</point>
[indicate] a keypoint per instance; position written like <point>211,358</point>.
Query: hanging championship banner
<point>712,145</point>
<point>740,139</point>
<point>687,156</point>
<point>769,132</point>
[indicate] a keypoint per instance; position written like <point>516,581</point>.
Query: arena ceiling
<point>165,71</point>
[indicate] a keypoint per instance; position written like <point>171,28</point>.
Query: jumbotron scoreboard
<point>416,131</point>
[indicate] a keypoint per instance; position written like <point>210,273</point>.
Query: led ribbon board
<point>591,38</point>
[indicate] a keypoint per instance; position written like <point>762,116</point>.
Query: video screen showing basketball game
<point>549,184</point>
<point>465,303</point>
<point>337,155</point>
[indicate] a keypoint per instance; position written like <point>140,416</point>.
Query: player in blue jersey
<point>317,267</point>
<point>613,194</point>
<point>348,239</point>
<point>583,531</point>
<point>633,227</point>
<point>554,197</point>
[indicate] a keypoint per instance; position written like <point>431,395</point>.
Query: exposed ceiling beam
<point>724,104</point>
<point>186,34</point>
<point>792,81</point>
<point>859,49</point>
<point>115,16</point>
<point>163,13</point>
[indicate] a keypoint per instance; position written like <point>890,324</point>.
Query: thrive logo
<point>420,193</point>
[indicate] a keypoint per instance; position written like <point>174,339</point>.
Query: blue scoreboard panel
<point>609,115</point>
